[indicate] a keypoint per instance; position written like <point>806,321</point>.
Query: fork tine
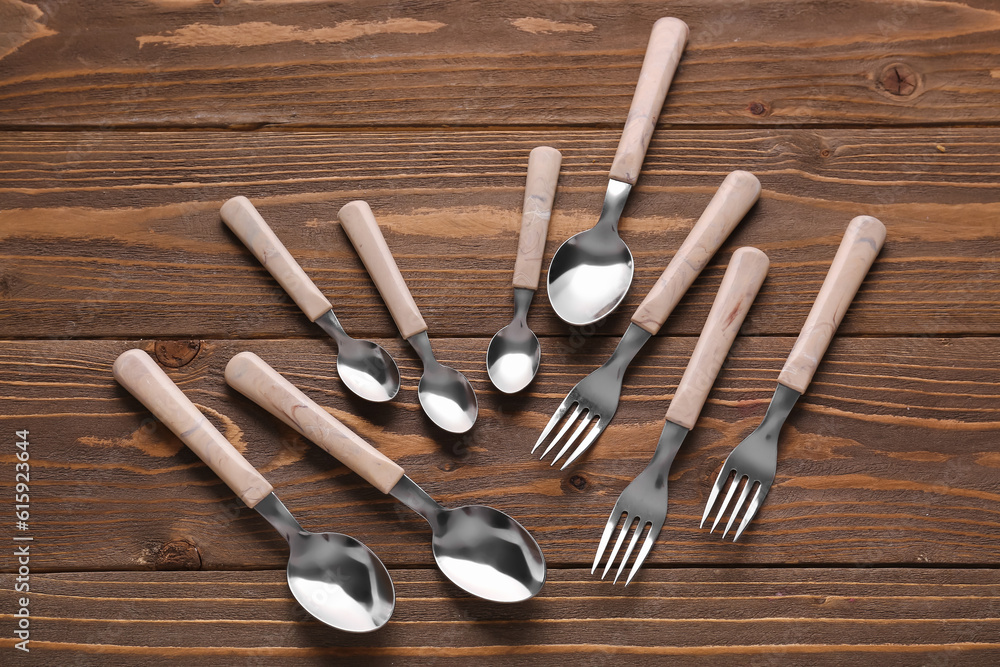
<point>626,527</point>
<point>586,419</point>
<point>752,509</point>
<point>587,442</point>
<point>737,478</point>
<point>716,488</point>
<point>738,505</point>
<point>562,431</point>
<point>654,532</point>
<point>560,412</point>
<point>606,537</point>
<point>631,546</point>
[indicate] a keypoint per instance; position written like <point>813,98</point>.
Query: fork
<point>644,501</point>
<point>756,457</point>
<point>596,396</point>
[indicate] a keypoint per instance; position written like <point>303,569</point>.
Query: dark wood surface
<point>124,126</point>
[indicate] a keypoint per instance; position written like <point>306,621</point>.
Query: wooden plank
<point>186,63</point>
<point>118,234</point>
<point>825,616</point>
<point>889,458</point>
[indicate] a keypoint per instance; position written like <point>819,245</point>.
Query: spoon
<point>364,367</point>
<point>334,577</point>
<point>513,355</point>
<point>444,393</point>
<point>591,271</point>
<point>481,550</point>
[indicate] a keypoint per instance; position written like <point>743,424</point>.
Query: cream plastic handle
<point>251,376</point>
<point>539,192</point>
<point>861,244</point>
<point>241,217</point>
<point>666,44</point>
<point>358,221</point>
<point>138,373</point>
<point>739,288</point>
<point>738,192</point>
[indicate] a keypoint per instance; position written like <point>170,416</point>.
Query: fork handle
<point>539,191</point>
<point>861,244</point>
<point>738,192</point>
<point>358,221</point>
<point>666,44</point>
<point>241,217</point>
<point>251,376</point>
<point>739,288</point>
<point>139,374</point>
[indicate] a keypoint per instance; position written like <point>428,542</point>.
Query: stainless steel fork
<point>755,459</point>
<point>596,396</point>
<point>644,502</point>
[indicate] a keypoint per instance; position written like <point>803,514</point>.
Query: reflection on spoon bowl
<point>447,398</point>
<point>589,276</point>
<point>367,370</point>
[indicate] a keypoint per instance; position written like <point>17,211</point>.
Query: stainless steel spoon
<point>482,550</point>
<point>514,353</point>
<point>591,272</point>
<point>334,577</point>
<point>444,393</point>
<point>364,367</point>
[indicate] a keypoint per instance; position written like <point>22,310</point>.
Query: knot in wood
<point>177,353</point>
<point>178,555</point>
<point>578,482</point>
<point>757,108</point>
<point>899,80</point>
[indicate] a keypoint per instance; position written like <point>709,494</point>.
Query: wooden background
<point>125,125</point>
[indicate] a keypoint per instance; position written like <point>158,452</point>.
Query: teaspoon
<point>365,368</point>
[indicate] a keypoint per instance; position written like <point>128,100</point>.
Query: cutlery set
<point>481,550</point>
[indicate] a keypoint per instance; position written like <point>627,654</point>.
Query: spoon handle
<point>539,192</point>
<point>666,44</point>
<point>139,374</point>
<point>241,217</point>
<point>743,278</point>
<point>861,244</point>
<point>251,376</point>
<point>734,198</point>
<point>358,221</point>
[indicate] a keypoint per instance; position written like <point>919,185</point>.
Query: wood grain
<point>242,64</point>
<point>130,243</point>
<point>778,616</point>
<point>889,458</point>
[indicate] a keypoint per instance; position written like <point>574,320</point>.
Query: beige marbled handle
<point>666,44</point>
<point>738,192</point>
<point>358,221</point>
<point>739,288</point>
<point>539,193</point>
<point>139,374</point>
<point>241,217</point>
<point>861,244</point>
<point>251,376</point>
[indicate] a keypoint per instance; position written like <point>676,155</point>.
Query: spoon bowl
<point>487,553</point>
<point>447,397</point>
<point>589,275</point>
<point>367,370</point>
<point>513,357</point>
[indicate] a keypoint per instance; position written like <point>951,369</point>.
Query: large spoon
<point>444,393</point>
<point>365,368</point>
<point>591,272</point>
<point>514,353</point>
<point>482,550</point>
<point>334,577</point>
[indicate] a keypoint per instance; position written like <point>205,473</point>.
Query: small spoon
<point>334,577</point>
<point>445,394</point>
<point>364,367</point>
<point>591,271</point>
<point>481,550</point>
<point>514,353</point>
